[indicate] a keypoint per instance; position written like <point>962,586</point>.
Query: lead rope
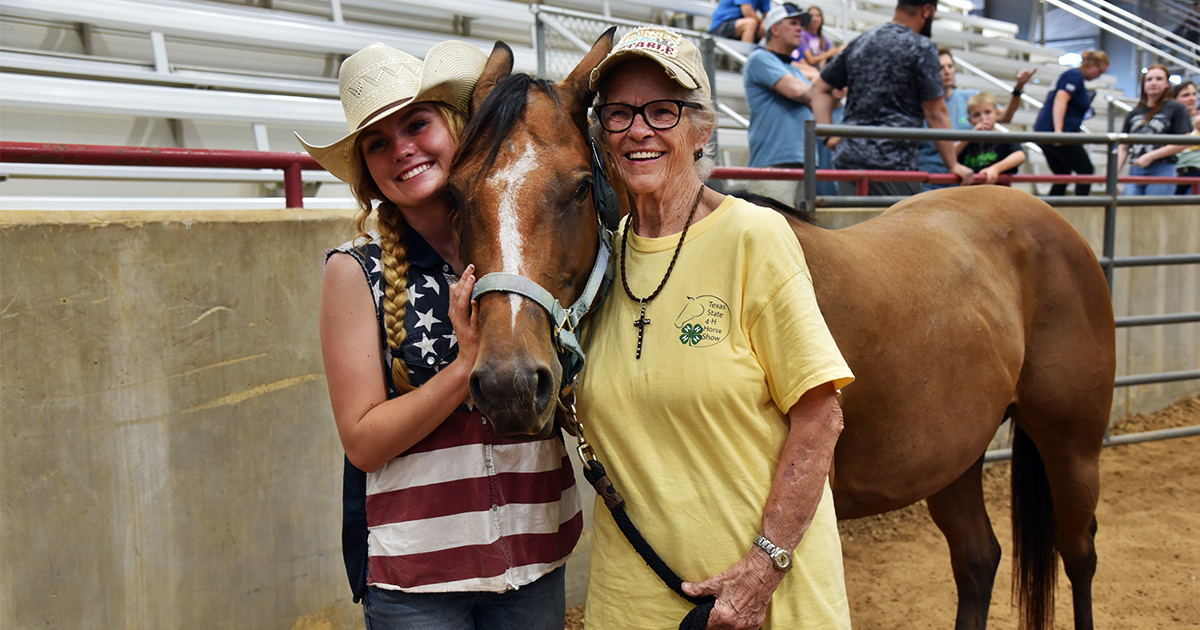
<point>593,470</point>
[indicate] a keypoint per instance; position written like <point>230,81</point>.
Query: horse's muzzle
<point>517,395</point>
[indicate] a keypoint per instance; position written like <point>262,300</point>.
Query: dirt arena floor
<point>1148,543</point>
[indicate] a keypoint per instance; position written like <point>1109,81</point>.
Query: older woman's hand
<point>742,591</point>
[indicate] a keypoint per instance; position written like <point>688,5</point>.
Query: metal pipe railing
<point>1108,10</point>
<point>1115,14</point>
<point>1002,454</point>
<point>50,153</point>
<point>1129,38</point>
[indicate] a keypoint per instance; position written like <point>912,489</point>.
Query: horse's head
<point>522,180</point>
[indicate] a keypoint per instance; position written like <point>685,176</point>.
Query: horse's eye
<point>582,192</point>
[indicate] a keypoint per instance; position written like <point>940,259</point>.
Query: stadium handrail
<point>244,26</point>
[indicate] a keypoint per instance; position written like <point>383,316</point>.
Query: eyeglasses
<point>662,114</point>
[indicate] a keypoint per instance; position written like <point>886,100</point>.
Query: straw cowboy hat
<point>379,81</point>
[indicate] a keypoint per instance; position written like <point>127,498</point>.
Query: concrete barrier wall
<point>168,458</point>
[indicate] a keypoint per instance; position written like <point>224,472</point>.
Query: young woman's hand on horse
<point>744,589</point>
<point>464,316</point>
<point>373,429</point>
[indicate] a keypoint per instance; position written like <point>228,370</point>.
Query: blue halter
<point>564,320</point>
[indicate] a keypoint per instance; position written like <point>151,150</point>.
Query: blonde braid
<point>395,290</point>
<point>394,260</point>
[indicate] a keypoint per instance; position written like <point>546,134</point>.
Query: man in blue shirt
<point>778,96</point>
<point>739,19</point>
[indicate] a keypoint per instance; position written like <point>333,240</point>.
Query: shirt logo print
<point>704,321</point>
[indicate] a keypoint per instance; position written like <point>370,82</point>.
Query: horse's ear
<point>499,65</point>
<point>575,86</point>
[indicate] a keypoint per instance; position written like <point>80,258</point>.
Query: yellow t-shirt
<point>692,431</point>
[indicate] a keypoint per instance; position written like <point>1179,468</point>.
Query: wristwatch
<point>781,558</point>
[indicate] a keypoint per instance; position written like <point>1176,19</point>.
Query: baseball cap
<point>678,56</point>
<point>783,12</point>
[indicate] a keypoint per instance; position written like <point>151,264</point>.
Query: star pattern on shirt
<point>432,283</point>
<point>431,342</point>
<point>425,344</point>
<point>427,320</point>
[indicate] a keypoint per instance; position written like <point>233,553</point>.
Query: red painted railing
<point>865,176</point>
<point>293,163</point>
<point>47,153</point>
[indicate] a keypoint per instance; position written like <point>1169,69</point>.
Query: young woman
<point>815,49</point>
<point>443,520</point>
<point>1155,113</point>
<point>1063,112</point>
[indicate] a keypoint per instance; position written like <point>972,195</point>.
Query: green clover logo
<point>692,334</point>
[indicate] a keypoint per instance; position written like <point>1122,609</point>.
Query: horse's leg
<point>959,511</point>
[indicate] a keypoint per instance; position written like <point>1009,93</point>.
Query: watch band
<point>779,556</point>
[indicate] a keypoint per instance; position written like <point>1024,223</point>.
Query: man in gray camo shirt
<point>894,80</point>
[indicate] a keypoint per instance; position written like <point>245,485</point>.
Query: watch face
<point>782,560</point>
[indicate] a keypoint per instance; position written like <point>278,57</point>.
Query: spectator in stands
<point>423,544</point>
<point>739,19</point>
<point>928,158</point>
<point>1188,164</point>
<point>815,50</point>
<point>1156,113</point>
<point>1063,112</point>
<point>894,81</point>
<point>1185,93</point>
<point>1014,101</point>
<point>778,96</point>
<point>987,159</point>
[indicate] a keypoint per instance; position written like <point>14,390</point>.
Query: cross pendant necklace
<point>641,322</point>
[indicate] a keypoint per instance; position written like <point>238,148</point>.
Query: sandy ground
<point>1148,543</point>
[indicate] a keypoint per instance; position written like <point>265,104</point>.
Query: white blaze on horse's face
<point>507,184</point>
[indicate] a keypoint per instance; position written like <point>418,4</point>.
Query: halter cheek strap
<point>565,320</point>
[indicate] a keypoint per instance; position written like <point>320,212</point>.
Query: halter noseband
<point>564,320</point>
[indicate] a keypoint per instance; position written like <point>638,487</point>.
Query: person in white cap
<point>777,93</point>
<point>445,525</point>
<point>709,388</point>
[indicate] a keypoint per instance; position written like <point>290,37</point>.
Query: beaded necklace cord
<point>641,322</point>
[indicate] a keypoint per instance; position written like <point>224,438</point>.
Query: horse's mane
<point>498,114</point>
<point>807,216</point>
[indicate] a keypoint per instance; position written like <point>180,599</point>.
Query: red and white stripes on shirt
<point>465,510</point>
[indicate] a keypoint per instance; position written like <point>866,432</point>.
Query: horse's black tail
<point>1035,559</point>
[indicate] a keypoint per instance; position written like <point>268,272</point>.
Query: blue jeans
<point>1157,169</point>
<point>541,605</point>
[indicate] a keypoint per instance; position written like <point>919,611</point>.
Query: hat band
<point>368,119</point>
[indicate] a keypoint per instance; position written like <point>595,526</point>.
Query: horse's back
<point>950,307</point>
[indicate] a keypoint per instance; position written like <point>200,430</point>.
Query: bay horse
<point>955,309</point>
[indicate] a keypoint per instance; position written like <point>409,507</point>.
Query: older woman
<point>445,525</point>
<point>1063,112</point>
<point>710,386</point>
